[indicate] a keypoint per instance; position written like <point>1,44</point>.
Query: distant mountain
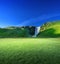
<point>50,29</point>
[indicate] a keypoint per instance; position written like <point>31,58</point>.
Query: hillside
<point>50,29</point>
<point>13,32</point>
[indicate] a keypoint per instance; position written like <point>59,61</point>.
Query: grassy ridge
<point>30,51</point>
<point>51,29</point>
<point>13,32</point>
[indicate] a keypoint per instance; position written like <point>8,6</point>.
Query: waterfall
<point>37,30</point>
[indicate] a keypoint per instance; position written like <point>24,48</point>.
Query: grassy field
<point>30,51</point>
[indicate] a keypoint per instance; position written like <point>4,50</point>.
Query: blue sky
<point>28,12</point>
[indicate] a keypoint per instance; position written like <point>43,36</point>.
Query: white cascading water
<point>37,30</point>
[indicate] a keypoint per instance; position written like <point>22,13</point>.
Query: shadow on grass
<point>49,33</point>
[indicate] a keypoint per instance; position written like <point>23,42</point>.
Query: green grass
<point>30,51</point>
<point>52,30</point>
